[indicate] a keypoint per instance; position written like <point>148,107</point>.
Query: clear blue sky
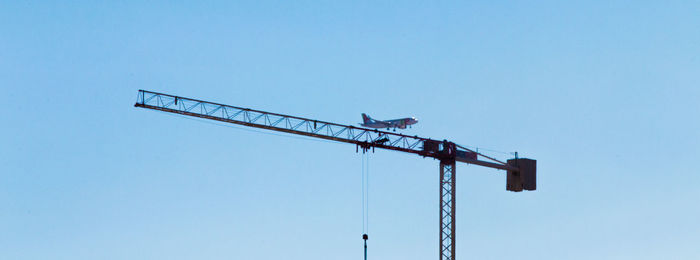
<point>604,94</point>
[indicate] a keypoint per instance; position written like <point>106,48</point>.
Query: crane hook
<point>365,237</point>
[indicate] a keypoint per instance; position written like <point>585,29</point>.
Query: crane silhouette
<point>521,172</point>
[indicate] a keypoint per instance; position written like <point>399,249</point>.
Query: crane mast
<point>520,171</point>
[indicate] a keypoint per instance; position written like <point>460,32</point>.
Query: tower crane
<point>520,172</point>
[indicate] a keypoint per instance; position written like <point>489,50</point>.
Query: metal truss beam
<point>363,137</point>
<point>447,209</point>
<point>284,123</point>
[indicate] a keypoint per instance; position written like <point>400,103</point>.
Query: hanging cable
<point>365,200</point>
<point>363,192</point>
<point>367,194</point>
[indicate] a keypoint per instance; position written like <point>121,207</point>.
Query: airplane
<point>388,124</point>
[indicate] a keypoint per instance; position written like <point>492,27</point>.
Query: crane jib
<point>363,137</point>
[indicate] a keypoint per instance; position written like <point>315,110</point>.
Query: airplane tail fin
<point>366,119</point>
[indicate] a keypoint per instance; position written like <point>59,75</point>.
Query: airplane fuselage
<point>400,123</point>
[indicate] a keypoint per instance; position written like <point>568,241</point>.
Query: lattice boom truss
<point>447,210</point>
<point>249,117</point>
